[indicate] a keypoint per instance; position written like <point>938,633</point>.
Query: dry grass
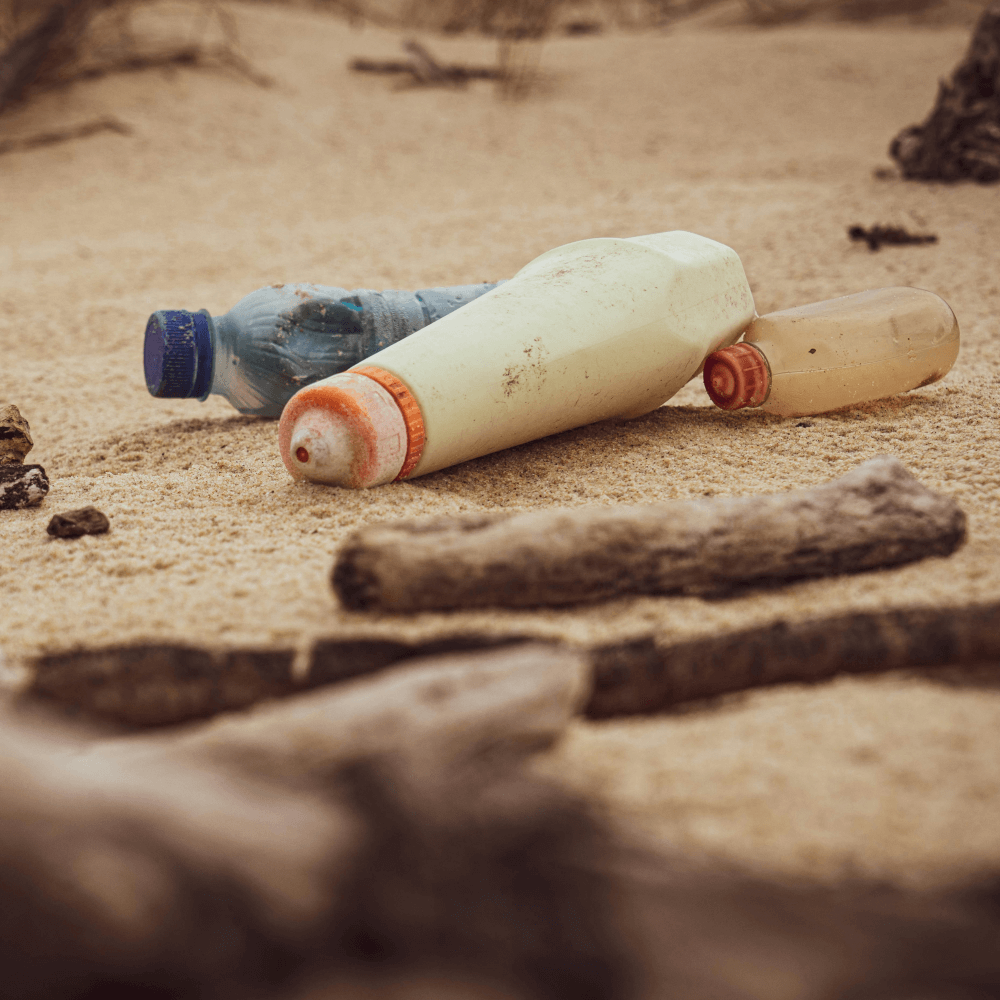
<point>52,43</point>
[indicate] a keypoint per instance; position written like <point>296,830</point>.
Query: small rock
<point>22,486</point>
<point>15,436</point>
<point>73,523</point>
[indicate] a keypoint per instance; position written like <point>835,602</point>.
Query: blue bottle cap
<point>178,354</point>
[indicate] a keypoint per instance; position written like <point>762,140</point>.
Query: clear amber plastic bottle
<point>836,353</point>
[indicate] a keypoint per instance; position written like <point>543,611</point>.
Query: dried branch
<point>876,236</point>
<point>877,515</point>
<point>64,135</point>
<point>425,69</point>
<point>86,39</point>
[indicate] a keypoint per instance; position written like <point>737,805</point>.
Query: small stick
<point>877,515</point>
<point>642,676</point>
<point>424,68</point>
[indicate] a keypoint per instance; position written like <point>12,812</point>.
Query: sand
<point>765,141</point>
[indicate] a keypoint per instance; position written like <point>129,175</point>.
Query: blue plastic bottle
<point>279,339</point>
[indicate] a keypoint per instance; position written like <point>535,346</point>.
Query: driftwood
<point>149,686</point>
<point>645,676</point>
<point>155,684</point>
<point>384,839</point>
<point>877,515</point>
<point>424,68</point>
<point>960,140</point>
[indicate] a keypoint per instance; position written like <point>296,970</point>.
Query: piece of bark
<point>15,435</point>
<point>22,486</point>
<point>643,676</point>
<point>159,684</point>
<point>877,515</point>
<point>74,523</point>
<point>960,140</point>
<point>877,235</point>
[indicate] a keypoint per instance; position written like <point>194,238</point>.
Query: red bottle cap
<point>737,376</point>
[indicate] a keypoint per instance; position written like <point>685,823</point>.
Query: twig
<point>876,236</point>
<point>425,69</point>
<point>65,135</point>
<point>877,515</point>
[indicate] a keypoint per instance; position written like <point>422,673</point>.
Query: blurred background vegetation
<point>51,43</point>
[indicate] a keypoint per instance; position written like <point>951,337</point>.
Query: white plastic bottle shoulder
<point>837,353</point>
<point>591,330</point>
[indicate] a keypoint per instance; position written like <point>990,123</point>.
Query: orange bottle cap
<point>737,376</point>
<point>352,430</point>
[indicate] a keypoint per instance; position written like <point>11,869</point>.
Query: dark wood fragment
<point>22,486</point>
<point>875,516</point>
<point>960,140</point>
<point>151,684</point>
<point>74,523</point>
<point>333,660</point>
<point>643,676</point>
<point>876,236</point>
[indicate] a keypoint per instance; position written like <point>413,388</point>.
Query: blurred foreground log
<point>385,839</point>
<point>960,140</point>
<point>877,515</point>
<point>512,700</point>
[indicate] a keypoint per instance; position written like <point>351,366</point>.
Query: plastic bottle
<point>596,329</point>
<point>836,353</point>
<point>277,340</point>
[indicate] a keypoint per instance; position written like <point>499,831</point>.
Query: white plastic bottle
<point>591,330</point>
<point>844,351</point>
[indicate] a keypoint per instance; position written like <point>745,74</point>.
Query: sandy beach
<point>764,140</point>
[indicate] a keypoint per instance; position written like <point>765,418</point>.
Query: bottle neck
<point>223,334</point>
